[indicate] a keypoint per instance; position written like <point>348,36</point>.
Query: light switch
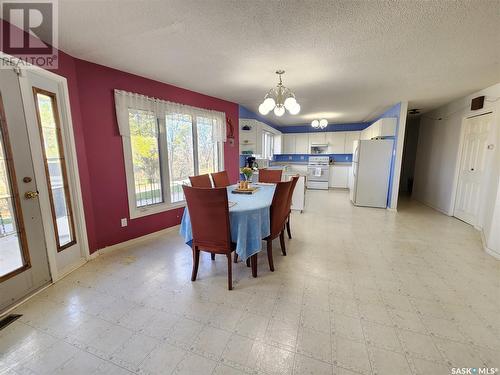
<point>124,222</point>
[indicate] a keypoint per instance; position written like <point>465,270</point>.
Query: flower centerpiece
<point>247,172</point>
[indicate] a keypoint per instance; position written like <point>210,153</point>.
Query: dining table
<point>249,220</point>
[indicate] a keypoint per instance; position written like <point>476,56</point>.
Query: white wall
<point>438,153</point>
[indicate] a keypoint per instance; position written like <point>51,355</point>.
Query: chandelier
<point>278,99</point>
<point>319,124</point>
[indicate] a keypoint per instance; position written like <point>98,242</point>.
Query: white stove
<point>318,172</point>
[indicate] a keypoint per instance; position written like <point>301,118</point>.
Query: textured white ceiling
<point>346,60</point>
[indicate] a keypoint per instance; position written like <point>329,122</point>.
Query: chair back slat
<point>270,175</point>
<point>209,213</point>
<point>280,207</point>
<point>201,181</point>
<point>221,179</point>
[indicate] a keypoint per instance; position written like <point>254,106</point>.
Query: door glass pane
<point>180,153</point>
<point>11,250</point>
<point>50,131</point>
<point>144,137</point>
<point>208,160</point>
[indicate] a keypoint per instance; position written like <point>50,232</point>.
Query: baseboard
<point>425,203</point>
<point>67,270</point>
<point>494,254</point>
<point>25,299</point>
<point>133,241</point>
<point>489,251</point>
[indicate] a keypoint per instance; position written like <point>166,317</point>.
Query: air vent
<point>414,111</point>
<point>477,103</point>
<point>11,318</point>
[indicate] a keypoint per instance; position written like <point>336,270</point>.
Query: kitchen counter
<point>283,163</point>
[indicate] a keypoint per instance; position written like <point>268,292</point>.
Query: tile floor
<point>362,291</point>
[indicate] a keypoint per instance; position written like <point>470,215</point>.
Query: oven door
<point>317,173</point>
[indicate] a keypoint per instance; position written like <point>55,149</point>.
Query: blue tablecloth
<point>249,220</point>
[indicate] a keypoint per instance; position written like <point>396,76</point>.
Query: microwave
<point>319,149</point>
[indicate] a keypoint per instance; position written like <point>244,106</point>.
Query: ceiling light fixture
<point>278,99</point>
<point>319,124</point>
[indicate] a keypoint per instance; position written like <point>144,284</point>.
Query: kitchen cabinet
<point>251,133</point>
<point>302,143</point>
<point>336,142</point>
<point>317,138</point>
<point>339,176</point>
<point>385,127</point>
<point>248,138</point>
<point>350,137</point>
<point>288,143</point>
<point>299,194</point>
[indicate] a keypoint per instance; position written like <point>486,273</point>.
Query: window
<point>14,254</point>
<point>55,167</point>
<point>180,153</point>
<point>164,143</point>
<point>208,150</point>
<point>144,140</point>
<point>267,145</point>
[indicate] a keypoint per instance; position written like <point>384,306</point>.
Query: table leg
<point>253,261</point>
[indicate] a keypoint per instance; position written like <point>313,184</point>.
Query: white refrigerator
<point>371,168</point>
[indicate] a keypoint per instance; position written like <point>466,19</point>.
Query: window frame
<point>270,137</point>
<point>137,212</point>
<point>16,199</point>
<point>64,168</point>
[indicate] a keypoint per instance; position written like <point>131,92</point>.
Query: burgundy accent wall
<point>100,152</point>
<point>104,151</point>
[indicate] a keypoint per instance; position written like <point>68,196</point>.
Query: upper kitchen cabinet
<point>385,127</point>
<point>317,138</point>
<point>302,143</point>
<point>288,143</point>
<point>252,133</point>
<point>336,142</point>
<point>350,137</point>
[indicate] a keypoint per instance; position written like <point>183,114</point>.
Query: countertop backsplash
<point>303,158</point>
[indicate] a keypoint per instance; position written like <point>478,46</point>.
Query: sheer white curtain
<point>125,100</point>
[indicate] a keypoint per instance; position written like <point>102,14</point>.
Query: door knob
<point>31,194</point>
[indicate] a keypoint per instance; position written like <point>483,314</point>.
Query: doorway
<point>41,233</point>
<point>472,164</point>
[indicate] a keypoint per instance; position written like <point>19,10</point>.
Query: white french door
<point>24,265</point>
<point>472,164</point>
<point>40,218</point>
<point>46,110</point>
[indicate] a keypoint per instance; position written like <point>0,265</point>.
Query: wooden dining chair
<point>209,213</point>
<point>279,213</point>
<point>270,175</point>
<point>294,180</point>
<point>221,179</point>
<point>201,181</point>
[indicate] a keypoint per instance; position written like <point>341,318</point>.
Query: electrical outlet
<point>124,222</point>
